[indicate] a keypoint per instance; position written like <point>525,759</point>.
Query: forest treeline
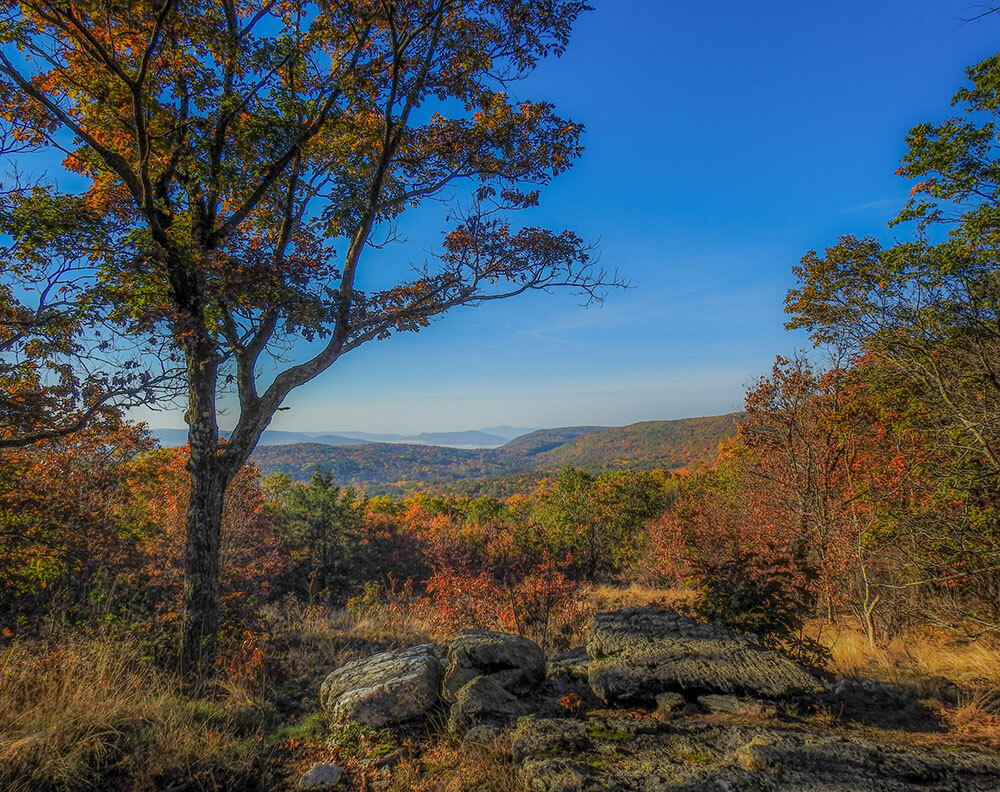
<point>836,498</point>
<point>96,526</point>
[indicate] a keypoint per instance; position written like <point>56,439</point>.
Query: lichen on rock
<point>385,688</point>
<point>641,652</point>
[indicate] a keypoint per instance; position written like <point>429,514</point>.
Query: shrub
<point>760,594</point>
<point>541,605</point>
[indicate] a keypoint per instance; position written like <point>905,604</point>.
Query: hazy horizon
<point>434,431</point>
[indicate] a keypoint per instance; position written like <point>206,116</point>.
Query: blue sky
<point>724,140</point>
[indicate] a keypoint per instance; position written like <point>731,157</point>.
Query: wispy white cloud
<point>543,336</point>
<point>881,203</point>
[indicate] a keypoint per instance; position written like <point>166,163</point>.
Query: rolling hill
<point>687,443</point>
<point>543,440</point>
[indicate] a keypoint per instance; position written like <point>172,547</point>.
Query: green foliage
<point>355,739</point>
<point>311,728</point>
<point>367,603</point>
<point>601,731</point>
<point>325,523</point>
<point>751,593</point>
<point>597,522</point>
<point>482,510</point>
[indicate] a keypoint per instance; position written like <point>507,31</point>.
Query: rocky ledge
<point>623,755</point>
<point>657,702</point>
<point>639,653</point>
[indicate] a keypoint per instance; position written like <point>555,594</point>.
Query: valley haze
<point>490,437</point>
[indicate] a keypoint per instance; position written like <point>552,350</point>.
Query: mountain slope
<point>687,443</point>
<point>546,439</point>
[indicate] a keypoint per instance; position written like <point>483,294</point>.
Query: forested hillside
<point>689,443</point>
<point>546,439</point>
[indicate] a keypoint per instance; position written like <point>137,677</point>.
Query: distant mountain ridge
<point>508,432</point>
<point>688,443</point>
<point>478,438</point>
<point>272,437</point>
<point>170,438</point>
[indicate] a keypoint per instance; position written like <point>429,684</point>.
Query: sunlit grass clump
<point>94,712</point>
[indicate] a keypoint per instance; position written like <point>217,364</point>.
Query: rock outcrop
<point>491,679</point>
<point>566,679</point>
<point>385,688</point>
<point>650,755</point>
<point>483,702</point>
<point>514,663</point>
<point>662,704</point>
<point>639,653</point>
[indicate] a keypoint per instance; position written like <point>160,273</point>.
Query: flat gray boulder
<point>638,653</point>
<point>732,705</point>
<point>385,688</point>
<point>514,663</point>
<point>651,755</point>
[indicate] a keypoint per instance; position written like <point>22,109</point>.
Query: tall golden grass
<point>445,766</point>
<point>915,656</point>
<point>93,712</point>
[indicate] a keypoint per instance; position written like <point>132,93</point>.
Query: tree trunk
<point>201,568</point>
<point>209,478</point>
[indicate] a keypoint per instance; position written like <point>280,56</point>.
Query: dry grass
<point>310,639</point>
<point>92,712</point>
<point>614,597</point>
<point>915,656</point>
<point>976,718</point>
<point>957,678</point>
<point>444,766</point>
